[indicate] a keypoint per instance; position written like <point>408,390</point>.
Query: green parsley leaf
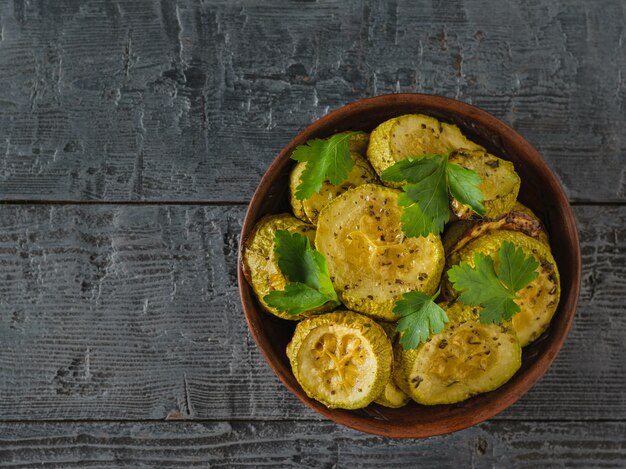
<point>420,316</point>
<point>430,179</point>
<point>425,197</point>
<point>516,270</point>
<point>463,185</point>
<point>307,272</point>
<point>495,291</point>
<point>411,169</point>
<point>325,159</point>
<point>296,298</point>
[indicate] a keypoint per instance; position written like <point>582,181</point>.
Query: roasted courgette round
<point>512,221</point>
<point>358,143</point>
<point>500,183</point>
<point>413,135</point>
<point>261,265</point>
<point>370,260</point>
<point>342,359</point>
<point>309,209</point>
<point>539,299</point>
<point>466,359</point>
<point>392,395</point>
<point>543,233</point>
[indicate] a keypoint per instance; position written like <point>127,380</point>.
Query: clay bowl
<point>540,191</point>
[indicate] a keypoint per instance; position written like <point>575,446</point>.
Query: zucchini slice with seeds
<point>309,209</point>
<point>539,299</point>
<point>466,359</point>
<point>500,183</point>
<point>413,135</point>
<point>261,265</point>
<point>342,359</point>
<point>370,260</point>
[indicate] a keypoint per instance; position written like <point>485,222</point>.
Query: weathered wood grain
<point>185,100</point>
<point>311,444</point>
<point>131,312</point>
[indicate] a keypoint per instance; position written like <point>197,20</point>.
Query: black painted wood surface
<point>132,135</point>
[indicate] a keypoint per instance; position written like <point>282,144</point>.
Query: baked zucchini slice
<point>358,143</point>
<point>261,265</point>
<point>454,233</point>
<point>500,184</point>
<point>341,359</point>
<point>309,209</point>
<point>413,135</point>
<point>543,234</point>
<point>512,221</point>
<point>461,232</point>
<point>392,395</point>
<point>466,359</point>
<point>539,299</point>
<point>370,260</point>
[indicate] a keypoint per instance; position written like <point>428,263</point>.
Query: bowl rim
<point>568,306</point>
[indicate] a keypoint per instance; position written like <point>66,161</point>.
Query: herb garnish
<point>325,159</point>
<point>429,180</point>
<point>495,291</point>
<point>305,268</point>
<point>420,316</point>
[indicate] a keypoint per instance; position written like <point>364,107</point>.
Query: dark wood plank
<point>186,100</point>
<point>309,444</point>
<point>131,312</point>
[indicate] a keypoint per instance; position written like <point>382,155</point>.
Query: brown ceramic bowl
<point>540,191</point>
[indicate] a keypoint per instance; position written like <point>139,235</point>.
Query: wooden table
<point>132,135</point>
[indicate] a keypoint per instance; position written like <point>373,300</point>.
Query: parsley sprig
<point>429,179</point>
<point>325,159</point>
<point>420,316</point>
<point>305,268</point>
<point>494,289</point>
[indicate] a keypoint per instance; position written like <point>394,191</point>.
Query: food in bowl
<point>378,251</point>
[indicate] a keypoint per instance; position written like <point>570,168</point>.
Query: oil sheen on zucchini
<point>370,260</point>
<point>500,183</point>
<point>342,359</point>
<point>466,359</point>
<point>309,209</point>
<point>413,135</point>
<point>538,301</point>
<point>260,262</point>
